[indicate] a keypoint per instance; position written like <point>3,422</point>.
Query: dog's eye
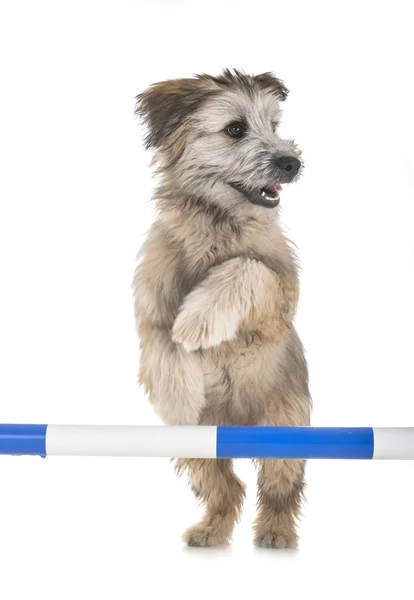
<point>237,129</point>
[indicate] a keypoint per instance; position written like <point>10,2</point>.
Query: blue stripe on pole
<point>295,442</point>
<point>23,439</point>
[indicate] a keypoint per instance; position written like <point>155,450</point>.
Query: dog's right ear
<point>164,106</point>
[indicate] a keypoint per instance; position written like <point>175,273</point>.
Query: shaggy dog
<point>216,288</point>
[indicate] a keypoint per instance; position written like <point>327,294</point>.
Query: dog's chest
<point>195,250</point>
<point>206,248</point>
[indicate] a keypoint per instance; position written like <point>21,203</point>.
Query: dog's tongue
<point>276,187</point>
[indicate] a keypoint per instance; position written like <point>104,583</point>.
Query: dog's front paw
<point>197,330</point>
<point>188,334</point>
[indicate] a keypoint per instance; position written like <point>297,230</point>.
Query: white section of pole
<point>394,443</point>
<point>145,441</point>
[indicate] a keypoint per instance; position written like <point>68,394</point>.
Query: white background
<point>74,190</point>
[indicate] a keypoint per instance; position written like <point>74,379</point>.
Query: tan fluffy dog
<point>216,288</point>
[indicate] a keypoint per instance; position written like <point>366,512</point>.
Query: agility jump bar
<point>209,442</point>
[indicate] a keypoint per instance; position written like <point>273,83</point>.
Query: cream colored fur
<point>216,291</point>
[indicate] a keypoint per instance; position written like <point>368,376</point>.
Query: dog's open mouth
<point>268,196</point>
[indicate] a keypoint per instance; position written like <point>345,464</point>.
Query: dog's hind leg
<point>280,493</point>
<point>221,491</point>
<point>281,482</point>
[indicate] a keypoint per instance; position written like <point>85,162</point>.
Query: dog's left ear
<point>164,106</point>
<point>274,84</point>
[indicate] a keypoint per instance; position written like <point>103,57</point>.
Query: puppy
<point>216,288</point>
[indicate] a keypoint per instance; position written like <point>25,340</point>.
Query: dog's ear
<point>272,83</point>
<point>164,106</point>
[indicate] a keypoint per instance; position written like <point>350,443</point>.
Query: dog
<point>216,289</point>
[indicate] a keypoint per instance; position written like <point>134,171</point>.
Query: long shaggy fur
<point>216,290</point>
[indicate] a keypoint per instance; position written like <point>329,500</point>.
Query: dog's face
<point>218,136</point>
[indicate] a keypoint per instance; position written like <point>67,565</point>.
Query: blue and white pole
<point>209,442</point>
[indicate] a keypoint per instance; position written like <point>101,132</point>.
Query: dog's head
<point>217,137</point>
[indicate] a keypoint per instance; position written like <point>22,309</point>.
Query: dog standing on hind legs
<point>216,288</point>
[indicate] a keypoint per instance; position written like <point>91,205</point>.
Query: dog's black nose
<point>290,165</point>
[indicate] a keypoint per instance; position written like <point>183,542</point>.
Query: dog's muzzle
<point>287,167</point>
